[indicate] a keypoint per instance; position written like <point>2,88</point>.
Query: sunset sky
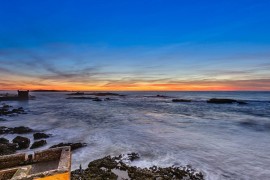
<point>135,45</point>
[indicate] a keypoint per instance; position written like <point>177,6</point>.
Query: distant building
<point>23,94</point>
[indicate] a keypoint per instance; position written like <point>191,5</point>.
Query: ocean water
<point>224,141</point>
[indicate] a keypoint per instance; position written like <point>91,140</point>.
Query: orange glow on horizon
<point>187,86</point>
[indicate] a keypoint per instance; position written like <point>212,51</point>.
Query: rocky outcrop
<point>15,130</point>
<point>114,168</point>
<point>8,148</point>
<point>7,110</point>
<point>133,156</point>
<point>73,146</point>
<point>41,136</point>
<point>225,101</point>
<point>86,98</point>
<point>106,94</point>
<point>38,144</point>
<point>22,142</point>
<point>181,100</point>
<point>4,141</point>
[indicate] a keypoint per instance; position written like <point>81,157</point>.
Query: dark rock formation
<point>242,102</point>
<point>158,96</point>
<point>106,94</point>
<point>6,149</point>
<point>181,100</point>
<point>16,130</point>
<point>133,156</point>
<point>4,130</point>
<point>6,110</point>
<point>225,101</point>
<point>41,135</point>
<point>107,167</point>
<point>38,144</point>
<point>22,130</point>
<point>73,146</point>
<point>4,141</point>
<point>22,142</point>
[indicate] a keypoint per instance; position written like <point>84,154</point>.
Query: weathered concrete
<point>49,164</point>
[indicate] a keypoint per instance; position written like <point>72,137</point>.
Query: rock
<point>242,102</point>
<point>97,99</point>
<point>225,101</point>
<point>16,130</point>
<point>38,144</point>
<point>106,94</point>
<point>22,130</point>
<point>181,100</point>
<point>40,135</point>
<point>161,96</point>
<point>6,149</point>
<point>109,99</point>
<point>73,146</point>
<point>22,142</point>
<point>6,110</point>
<point>4,130</point>
<point>4,141</point>
<point>107,168</point>
<point>221,101</point>
<point>133,156</point>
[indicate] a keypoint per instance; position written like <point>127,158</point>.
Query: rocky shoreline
<point>115,168</point>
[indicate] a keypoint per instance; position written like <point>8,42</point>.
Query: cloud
<point>59,67</point>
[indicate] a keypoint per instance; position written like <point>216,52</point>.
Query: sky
<point>135,45</point>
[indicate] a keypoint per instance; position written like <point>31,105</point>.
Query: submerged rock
<point>41,135</point>
<point>73,146</point>
<point>22,142</point>
<point>97,99</point>
<point>225,101</point>
<point>113,168</point>
<point>38,144</point>
<point>181,100</point>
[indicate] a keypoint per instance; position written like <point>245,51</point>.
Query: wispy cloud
<point>160,68</point>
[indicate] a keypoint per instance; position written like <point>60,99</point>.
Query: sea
<point>224,141</point>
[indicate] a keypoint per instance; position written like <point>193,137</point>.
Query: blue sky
<point>135,45</point>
